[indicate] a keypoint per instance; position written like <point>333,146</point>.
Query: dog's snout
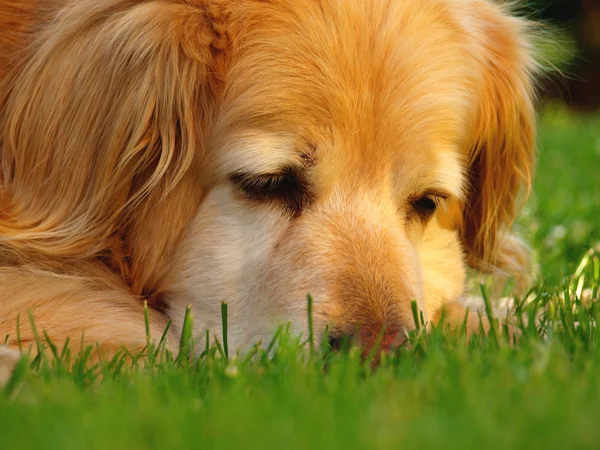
<point>339,342</point>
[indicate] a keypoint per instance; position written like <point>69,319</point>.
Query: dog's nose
<point>339,342</point>
<point>386,341</point>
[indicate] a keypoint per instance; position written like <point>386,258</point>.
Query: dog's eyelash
<point>287,187</point>
<point>262,185</point>
<point>268,185</point>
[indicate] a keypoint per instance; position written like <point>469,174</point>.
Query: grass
<point>442,392</point>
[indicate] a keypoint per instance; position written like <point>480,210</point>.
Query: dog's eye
<point>265,186</point>
<point>426,205</point>
<point>287,187</point>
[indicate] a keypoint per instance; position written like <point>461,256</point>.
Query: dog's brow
<point>260,154</point>
<point>448,176</point>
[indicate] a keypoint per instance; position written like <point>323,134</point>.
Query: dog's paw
<point>8,360</point>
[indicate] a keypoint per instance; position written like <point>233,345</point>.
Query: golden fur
<point>131,132</point>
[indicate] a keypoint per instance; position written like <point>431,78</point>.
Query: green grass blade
<point>224,329</point>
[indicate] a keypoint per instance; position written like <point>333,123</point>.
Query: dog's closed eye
<point>287,187</point>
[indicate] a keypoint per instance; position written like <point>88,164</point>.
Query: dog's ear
<point>502,144</point>
<point>103,116</point>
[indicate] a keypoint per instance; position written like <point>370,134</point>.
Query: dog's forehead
<point>364,71</point>
<point>361,80</point>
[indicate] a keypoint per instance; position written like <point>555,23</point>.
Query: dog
<point>190,152</point>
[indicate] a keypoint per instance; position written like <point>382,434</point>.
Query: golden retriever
<point>255,151</point>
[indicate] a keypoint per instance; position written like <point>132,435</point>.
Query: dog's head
<point>257,151</point>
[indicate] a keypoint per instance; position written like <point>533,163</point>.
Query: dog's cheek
<point>222,258</point>
<point>443,266</point>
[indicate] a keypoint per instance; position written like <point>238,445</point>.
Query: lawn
<point>443,392</point>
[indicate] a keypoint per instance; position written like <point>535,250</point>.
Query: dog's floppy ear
<point>502,146</point>
<point>103,116</point>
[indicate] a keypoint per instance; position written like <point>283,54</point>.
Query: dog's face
<point>356,227</point>
<point>257,151</point>
<point>345,161</point>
